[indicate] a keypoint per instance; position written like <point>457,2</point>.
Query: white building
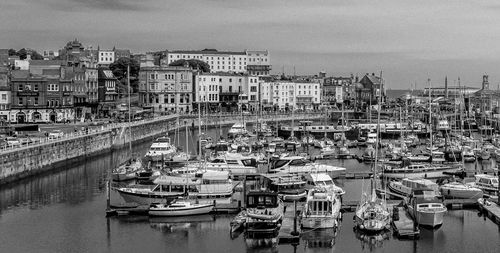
<point>5,101</point>
<point>22,64</point>
<point>283,94</point>
<point>227,91</point>
<point>252,62</point>
<point>105,57</point>
<point>166,88</point>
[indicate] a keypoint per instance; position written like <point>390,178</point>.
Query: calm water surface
<point>64,212</point>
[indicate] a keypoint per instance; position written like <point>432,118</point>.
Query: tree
<point>193,63</point>
<point>23,53</point>
<point>119,69</point>
<point>12,52</point>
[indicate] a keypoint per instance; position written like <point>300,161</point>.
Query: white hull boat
<point>456,190</point>
<point>180,208</point>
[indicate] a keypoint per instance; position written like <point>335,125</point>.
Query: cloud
<point>92,5</point>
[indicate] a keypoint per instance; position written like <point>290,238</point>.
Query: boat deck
<point>286,234</point>
<point>403,224</point>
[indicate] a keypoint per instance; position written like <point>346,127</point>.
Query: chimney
<point>446,86</point>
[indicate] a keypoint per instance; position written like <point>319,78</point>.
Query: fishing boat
<point>302,166</point>
<point>264,214</point>
<point>426,171</point>
<point>179,208</point>
<point>322,180</point>
<point>161,150</point>
<point>425,208</point>
<point>487,183</point>
<point>458,190</point>
<point>127,170</point>
<point>290,187</point>
<point>322,209</point>
<point>407,185</point>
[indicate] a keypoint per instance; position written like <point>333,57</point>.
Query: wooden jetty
<point>456,204</point>
<point>349,206</point>
<point>490,209</point>
<point>403,224</point>
<point>290,226</point>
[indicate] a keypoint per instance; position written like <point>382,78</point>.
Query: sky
<point>409,41</point>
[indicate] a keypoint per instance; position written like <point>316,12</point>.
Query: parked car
<point>56,134</point>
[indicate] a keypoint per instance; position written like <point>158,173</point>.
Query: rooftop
<point>207,51</point>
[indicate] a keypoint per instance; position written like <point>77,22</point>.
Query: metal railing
<point>209,119</point>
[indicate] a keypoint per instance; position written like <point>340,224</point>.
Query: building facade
<point>227,91</point>
<point>291,94</point>
<point>106,91</point>
<point>166,89</point>
<point>105,57</point>
<point>254,62</point>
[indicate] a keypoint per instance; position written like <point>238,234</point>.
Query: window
<point>21,101</point>
<point>230,79</point>
<point>20,87</point>
<point>252,97</point>
<point>4,97</point>
<point>152,76</point>
<point>230,88</point>
<point>36,101</point>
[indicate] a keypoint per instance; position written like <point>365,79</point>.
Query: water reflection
<point>319,238</point>
<point>372,241</point>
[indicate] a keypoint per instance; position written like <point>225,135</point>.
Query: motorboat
<point>302,166</point>
<point>327,151</point>
<point>290,187</point>
<point>179,208</point>
<point>308,139</point>
<point>322,209</point>
<point>166,189</point>
<point>161,150</point>
<point>323,143</point>
<point>236,163</point>
<point>343,152</point>
<point>419,158</point>
<point>425,208</point>
<point>127,170</point>
<point>212,186</point>
<point>487,183</point>
<point>264,213</point>
<point>292,143</point>
<point>236,130</point>
<point>322,180</point>
<point>484,154</point>
<point>418,170</point>
<point>407,185</point>
<point>458,190</point>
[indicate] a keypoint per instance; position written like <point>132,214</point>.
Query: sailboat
<point>128,169</point>
<point>372,214</point>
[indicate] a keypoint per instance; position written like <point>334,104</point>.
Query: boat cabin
<point>175,184</point>
<point>262,199</point>
<point>318,179</point>
<point>420,184</point>
<point>425,198</point>
<point>320,203</point>
<point>487,181</point>
<point>281,182</point>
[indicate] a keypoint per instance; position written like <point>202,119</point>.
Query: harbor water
<point>64,211</point>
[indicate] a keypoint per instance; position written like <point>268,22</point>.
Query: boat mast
<point>430,116</point>
<point>129,110</point>
<point>199,129</point>
<point>187,139</point>
<point>379,108</point>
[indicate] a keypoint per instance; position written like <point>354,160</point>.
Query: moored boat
<point>322,209</point>
<point>420,171</point>
<point>179,208</point>
<point>457,190</point>
<point>425,208</point>
<point>406,186</point>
